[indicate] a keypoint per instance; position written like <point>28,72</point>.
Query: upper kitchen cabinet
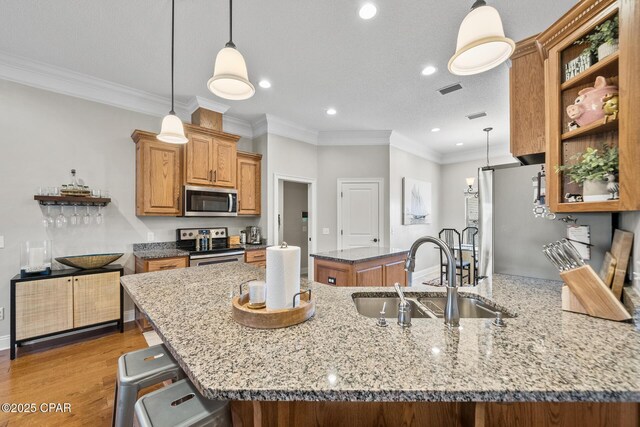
<point>526,93</point>
<point>210,157</point>
<point>158,176</point>
<point>592,84</point>
<point>249,183</point>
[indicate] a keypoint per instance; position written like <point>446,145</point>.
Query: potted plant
<point>590,169</point>
<point>603,41</point>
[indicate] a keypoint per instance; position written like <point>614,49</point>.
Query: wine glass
<point>87,217</point>
<point>99,217</point>
<point>48,220</point>
<point>61,220</point>
<point>75,218</point>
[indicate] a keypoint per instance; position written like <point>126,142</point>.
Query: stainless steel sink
<point>372,306</point>
<point>426,307</point>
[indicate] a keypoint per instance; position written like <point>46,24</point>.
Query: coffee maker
<point>253,235</point>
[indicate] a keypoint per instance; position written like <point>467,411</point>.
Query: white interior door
<point>360,214</point>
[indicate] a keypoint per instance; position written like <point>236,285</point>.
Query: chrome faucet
<point>451,312</point>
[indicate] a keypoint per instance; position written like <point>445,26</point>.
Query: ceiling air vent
<point>476,115</point>
<point>451,88</point>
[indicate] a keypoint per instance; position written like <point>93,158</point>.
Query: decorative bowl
<point>89,262</point>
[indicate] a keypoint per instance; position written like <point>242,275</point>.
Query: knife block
<point>586,293</point>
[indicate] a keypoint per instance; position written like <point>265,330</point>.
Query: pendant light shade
<point>230,79</point>
<point>482,44</point>
<point>172,130</point>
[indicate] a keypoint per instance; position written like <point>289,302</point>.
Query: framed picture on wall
<point>416,202</point>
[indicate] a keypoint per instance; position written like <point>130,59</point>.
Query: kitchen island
<point>367,266</point>
<point>327,367</point>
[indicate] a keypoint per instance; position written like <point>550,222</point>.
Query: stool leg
<point>127,396</point>
<point>115,405</point>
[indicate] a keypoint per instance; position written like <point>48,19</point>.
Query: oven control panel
<point>192,233</point>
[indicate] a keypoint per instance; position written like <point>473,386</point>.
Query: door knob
<point>375,240</point>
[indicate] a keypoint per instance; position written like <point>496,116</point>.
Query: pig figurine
<point>587,107</point>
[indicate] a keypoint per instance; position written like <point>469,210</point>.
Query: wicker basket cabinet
<point>64,301</point>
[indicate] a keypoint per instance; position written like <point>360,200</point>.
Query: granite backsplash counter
<point>543,354</point>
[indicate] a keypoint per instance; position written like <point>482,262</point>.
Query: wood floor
<point>80,372</point>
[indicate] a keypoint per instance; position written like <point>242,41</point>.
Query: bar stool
<point>137,370</point>
<point>181,405</point>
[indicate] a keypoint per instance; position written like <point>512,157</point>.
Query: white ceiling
<point>317,54</point>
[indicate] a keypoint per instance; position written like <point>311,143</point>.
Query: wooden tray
<point>272,319</point>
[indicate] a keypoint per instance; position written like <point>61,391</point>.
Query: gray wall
<point>404,164</point>
<point>336,162</point>
<point>519,236</point>
<point>294,229</point>
<point>45,135</point>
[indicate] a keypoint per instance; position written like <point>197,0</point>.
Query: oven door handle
<point>225,254</point>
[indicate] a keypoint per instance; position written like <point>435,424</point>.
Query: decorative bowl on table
<point>89,262</point>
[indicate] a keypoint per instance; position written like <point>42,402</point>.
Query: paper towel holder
<point>284,245</point>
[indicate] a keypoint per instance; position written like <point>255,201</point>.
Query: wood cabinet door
<point>199,158</point>
<point>43,307</point>
<point>249,185</point>
<point>526,99</point>
<point>160,180</point>
<point>394,273</point>
<point>96,298</point>
<point>369,276</point>
<point>224,163</point>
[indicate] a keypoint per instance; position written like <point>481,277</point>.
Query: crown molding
<point>414,147</point>
<point>67,82</point>
<point>199,102</point>
<point>237,126</point>
<point>498,154</point>
<point>288,129</point>
<point>354,137</point>
<point>260,127</point>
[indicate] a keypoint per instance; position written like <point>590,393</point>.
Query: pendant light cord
<point>487,130</point>
<point>230,42</point>
<point>173,12</point>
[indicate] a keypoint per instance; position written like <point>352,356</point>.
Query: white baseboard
<point>5,340</point>
<point>304,270</point>
<point>424,275</point>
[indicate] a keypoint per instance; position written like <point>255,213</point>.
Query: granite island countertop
<point>355,255</point>
<point>544,354</point>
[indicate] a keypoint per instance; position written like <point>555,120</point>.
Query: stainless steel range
<point>208,246</point>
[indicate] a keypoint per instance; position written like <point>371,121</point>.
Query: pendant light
<point>172,130</point>
<point>230,78</point>
<point>481,42</point>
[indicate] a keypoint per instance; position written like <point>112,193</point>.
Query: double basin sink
<point>425,306</point>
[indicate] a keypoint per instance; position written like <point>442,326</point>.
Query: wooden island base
<point>435,414</point>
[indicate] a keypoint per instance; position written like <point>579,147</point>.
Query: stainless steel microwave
<point>210,201</point>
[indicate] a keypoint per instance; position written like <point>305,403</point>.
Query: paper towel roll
<point>283,276</point>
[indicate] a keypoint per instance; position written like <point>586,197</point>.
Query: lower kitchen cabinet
<point>64,301</point>
<point>376,272</point>
<point>148,265</point>
<point>257,257</point>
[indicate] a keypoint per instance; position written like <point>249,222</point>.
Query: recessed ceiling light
<point>368,11</point>
<point>428,70</point>
<point>460,143</point>
<point>331,111</point>
<point>265,84</point>
<point>435,130</point>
